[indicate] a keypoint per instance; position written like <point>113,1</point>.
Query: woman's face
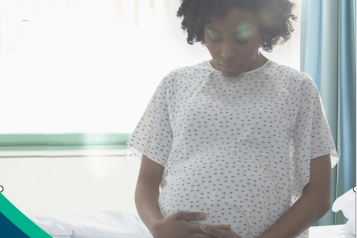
<point>233,41</point>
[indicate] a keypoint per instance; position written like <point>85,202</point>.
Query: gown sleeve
<point>153,135</point>
<point>311,136</point>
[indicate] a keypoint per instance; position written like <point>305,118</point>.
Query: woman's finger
<point>201,235</point>
<point>195,228</point>
<point>224,227</point>
<point>214,231</point>
<point>190,216</point>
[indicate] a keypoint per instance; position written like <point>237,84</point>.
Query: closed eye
<point>215,40</point>
<point>242,42</point>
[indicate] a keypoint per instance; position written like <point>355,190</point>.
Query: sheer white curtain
<point>90,66</point>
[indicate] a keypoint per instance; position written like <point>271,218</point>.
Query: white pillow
<point>51,227</point>
<point>351,226</point>
<point>106,224</point>
<point>346,203</point>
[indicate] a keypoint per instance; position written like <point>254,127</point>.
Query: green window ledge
<point>62,142</point>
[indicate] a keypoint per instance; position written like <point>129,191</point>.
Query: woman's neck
<point>258,62</point>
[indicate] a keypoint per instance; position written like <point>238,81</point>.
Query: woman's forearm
<point>304,213</point>
<point>146,200</point>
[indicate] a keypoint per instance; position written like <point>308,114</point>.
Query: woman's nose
<point>229,51</point>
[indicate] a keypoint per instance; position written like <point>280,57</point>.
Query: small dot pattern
<point>236,148</point>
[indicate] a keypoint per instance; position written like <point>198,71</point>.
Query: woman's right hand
<point>177,225</point>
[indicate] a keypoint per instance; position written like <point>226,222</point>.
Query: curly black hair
<point>197,13</point>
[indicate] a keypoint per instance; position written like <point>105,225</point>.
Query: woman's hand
<point>177,225</point>
<point>220,233</point>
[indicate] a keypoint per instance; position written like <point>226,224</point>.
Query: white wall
<point>92,66</point>
<point>51,185</point>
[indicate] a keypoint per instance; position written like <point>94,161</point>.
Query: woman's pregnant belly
<point>230,190</point>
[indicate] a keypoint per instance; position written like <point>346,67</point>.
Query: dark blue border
<point>9,230</point>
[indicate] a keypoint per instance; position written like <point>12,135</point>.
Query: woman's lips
<point>230,68</point>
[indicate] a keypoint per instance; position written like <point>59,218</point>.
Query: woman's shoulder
<point>188,72</point>
<point>185,70</point>
<point>293,74</point>
<point>295,81</point>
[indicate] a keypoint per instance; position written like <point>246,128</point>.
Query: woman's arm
<point>312,205</point>
<point>147,192</point>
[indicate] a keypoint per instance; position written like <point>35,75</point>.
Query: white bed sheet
<point>336,231</point>
<point>114,224</point>
<point>106,224</point>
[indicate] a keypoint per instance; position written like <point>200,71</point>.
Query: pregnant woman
<point>238,138</point>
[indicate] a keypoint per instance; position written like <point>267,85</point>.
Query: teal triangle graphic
<point>9,230</point>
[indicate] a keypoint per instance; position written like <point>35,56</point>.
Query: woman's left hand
<point>217,232</point>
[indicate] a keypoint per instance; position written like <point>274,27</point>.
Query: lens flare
<point>269,15</point>
<point>245,31</point>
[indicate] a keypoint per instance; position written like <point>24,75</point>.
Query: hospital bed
<point>86,196</point>
<point>117,224</point>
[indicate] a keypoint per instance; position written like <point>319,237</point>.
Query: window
<point>90,66</point>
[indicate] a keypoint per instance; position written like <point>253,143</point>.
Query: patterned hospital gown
<point>236,148</point>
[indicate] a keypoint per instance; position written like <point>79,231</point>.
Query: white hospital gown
<point>236,148</point>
